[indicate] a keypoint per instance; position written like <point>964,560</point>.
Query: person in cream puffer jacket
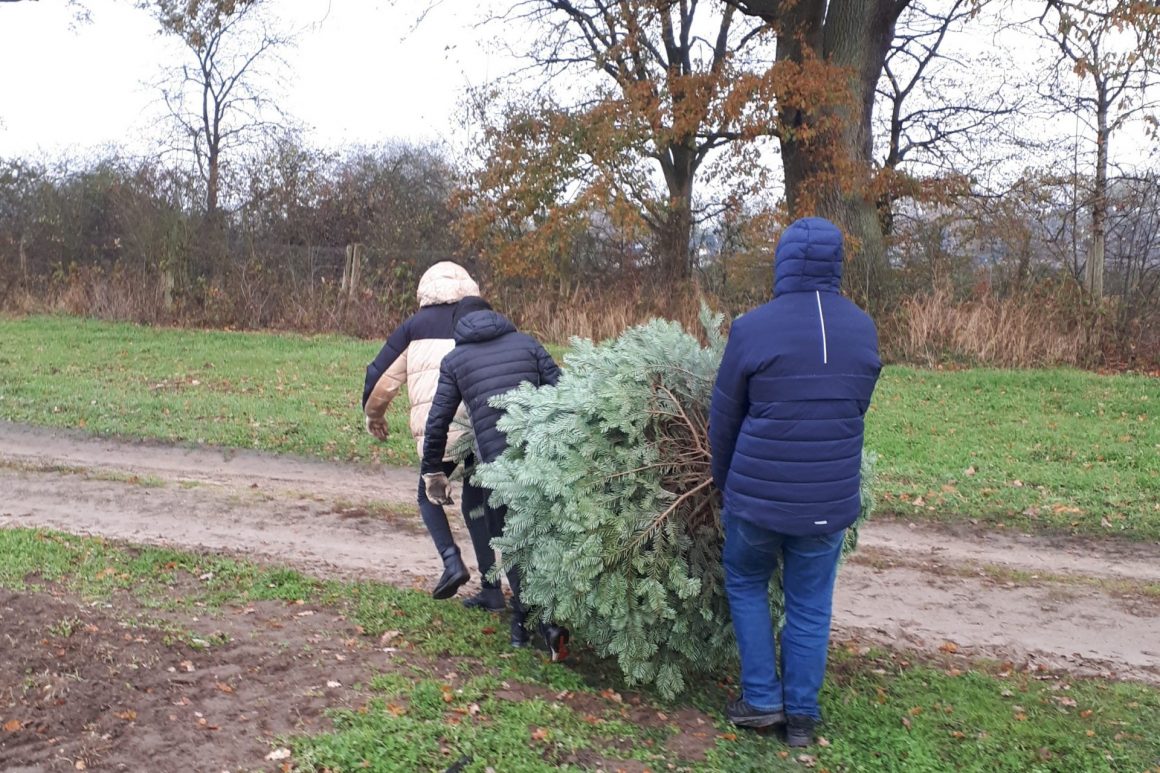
<point>411,356</point>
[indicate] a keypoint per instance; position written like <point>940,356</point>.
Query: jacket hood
<point>445,282</point>
<point>808,258</point>
<point>482,326</point>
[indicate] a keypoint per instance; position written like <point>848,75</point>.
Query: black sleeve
<point>394,347</point>
<point>443,408</point>
<point>549,370</point>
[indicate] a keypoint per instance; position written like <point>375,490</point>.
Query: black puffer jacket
<point>490,358</point>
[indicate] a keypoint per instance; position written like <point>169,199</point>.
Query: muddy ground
<point>1079,605</point>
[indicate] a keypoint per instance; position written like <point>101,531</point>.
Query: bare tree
<point>221,100</point>
<point>941,113</point>
<point>1113,48</point>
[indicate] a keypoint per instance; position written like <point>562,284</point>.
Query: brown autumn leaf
<point>1086,713</point>
<point>13,725</point>
<point>906,722</point>
<point>729,736</point>
<point>949,647</point>
<point>223,687</point>
<point>540,734</point>
<point>129,715</point>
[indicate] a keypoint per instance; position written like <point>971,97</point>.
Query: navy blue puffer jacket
<point>786,420</point>
<point>490,358</point>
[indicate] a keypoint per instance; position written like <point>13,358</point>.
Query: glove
<point>438,488</point>
<point>377,427</point>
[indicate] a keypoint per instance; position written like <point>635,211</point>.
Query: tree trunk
<point>1093,278</point>
<point>832,178</point>
<point>676,232</point>
<point>830,175</point>
<point>212,184</point>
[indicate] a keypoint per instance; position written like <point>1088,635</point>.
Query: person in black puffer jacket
<point>490,358</point>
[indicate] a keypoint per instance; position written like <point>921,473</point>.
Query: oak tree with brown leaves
<point>659,86</point>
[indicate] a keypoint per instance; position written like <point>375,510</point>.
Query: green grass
<point>1040,449</point>
<point>275,392</point>
<point>504,710</point>
<point>1059,448</point>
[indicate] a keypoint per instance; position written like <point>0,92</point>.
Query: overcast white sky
<point>364,74</point>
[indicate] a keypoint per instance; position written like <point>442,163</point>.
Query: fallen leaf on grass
<point>388,637</point>
<point>729,736</point>
<point>808,760</point>
<point>540,734</point>
<point>1086,713</point>
<point>278,754</point>
<point>823,742</point>
<point>611,695</point>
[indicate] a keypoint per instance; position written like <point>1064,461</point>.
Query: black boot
<point>454,574</point>
<point>489,599</point>
<point>520,636</point>
<point>556,637</point>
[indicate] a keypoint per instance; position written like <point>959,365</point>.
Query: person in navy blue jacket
<point>490,358</point>
<point>785,429</point>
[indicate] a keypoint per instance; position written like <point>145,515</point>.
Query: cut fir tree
<point>612,513</point>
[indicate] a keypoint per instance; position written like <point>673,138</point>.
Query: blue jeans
<point>809,567</point>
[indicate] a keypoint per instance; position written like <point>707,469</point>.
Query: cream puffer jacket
<point>413,352</point>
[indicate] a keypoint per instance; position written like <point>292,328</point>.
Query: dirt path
<point>1078,605</point>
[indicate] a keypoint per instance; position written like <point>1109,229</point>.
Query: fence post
<point>346,268</point>
<point>355,268</point>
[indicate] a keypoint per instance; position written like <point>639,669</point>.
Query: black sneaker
<point>799,731</point>
<point>742,714</point>
<point>556,637</point>
<point>488,599</point>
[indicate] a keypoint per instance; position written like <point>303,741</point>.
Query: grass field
<point>1040,449</point>
<point>883,712</point>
